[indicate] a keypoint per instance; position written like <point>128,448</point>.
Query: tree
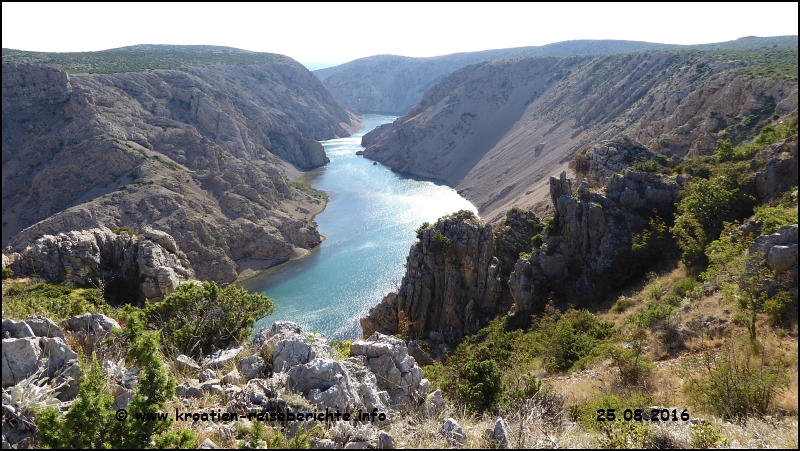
<point>201,319</point>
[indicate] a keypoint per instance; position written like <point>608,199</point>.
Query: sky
<point>341,32</point>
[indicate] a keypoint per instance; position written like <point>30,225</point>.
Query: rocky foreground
<point>260,377</point>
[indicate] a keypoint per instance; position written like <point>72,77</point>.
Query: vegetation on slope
<point>140,58</point>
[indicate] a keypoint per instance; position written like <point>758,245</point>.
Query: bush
<point>54,301</point>
<point>630,360</point>
<point>724,151</point>
<point>773,218</point>
<point>421,229</point>
<point>551,225</point>
<point>125,229</point>
<point>622,304</point>
<point>197,320</point>
<point>341,349</point>
<point>705,206</point>
<point>8,273</point>
<point>650,166</point>
<point>738,382</point>
<point>483,387</point>
<point>439,242</point>
<point>537,240</point>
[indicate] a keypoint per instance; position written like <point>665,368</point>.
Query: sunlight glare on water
<point>369,226</point>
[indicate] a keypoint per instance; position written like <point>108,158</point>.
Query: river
<point>369,225</point>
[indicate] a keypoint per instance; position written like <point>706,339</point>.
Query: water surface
<point>369,225</point>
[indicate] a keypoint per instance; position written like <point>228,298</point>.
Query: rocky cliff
<point>394,84</point>
<point>205,153</point>
<point>497,130</point>
<point>456,276</point>
<point>464,272</point>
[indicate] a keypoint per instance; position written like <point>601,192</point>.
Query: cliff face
<point>394,84</point>
<point>496,130</point>
<point>206,154</point>
<point>456,276</point>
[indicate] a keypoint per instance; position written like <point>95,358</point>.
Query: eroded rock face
<point>455,289</point>
<point>397,372</point>
<point>83,257</point>
<point>593,230</point>
<point>204,154</point>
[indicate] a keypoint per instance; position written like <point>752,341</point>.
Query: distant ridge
<point>137,58</point>
<point>394,84</point>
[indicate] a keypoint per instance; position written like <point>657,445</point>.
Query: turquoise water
<point>369,225</point>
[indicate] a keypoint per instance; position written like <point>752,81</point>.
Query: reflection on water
<point>369,226</point>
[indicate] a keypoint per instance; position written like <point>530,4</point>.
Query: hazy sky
<point>343,32</point>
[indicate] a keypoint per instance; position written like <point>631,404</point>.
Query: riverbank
<point>307,203</point>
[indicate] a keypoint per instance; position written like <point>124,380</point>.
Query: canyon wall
<point>205,153</point>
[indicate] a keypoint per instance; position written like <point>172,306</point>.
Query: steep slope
<point>394,84</point>
<point>206,153</point>
<point>497,130</point>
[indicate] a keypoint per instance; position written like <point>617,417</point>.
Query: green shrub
<point>631,362</point>
<point>551,225</point>
<point>439,242</point>
<point>341,349</point>
<point>421,229</point>
<point>684,287</point>
<point>705,206</point>
<point>724,151</point>
<point>706,436</point>
<point>622,304</point>
<point>537,240</point>
<point>126,229</point>
<point>655,313</point>
<point>197,320</point>
<point>7,273</point>
<point>52,300</point>
<point>650,166</point>
<point>632,262</point>
<point>773,218</point>
<point>483,386</point>
<point>739,382</point>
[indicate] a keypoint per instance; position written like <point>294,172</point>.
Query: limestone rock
<point>385,441</point>
<point>291,352</point>
<point>186,363</point>
<point>187,390</point>
<point>499,435</point>
<point>16,329</point>
<point>44,327</point>
<point>325,382</point>
<point>219,358</point>
<point>95,326</point>
<point>397,372</point>
<point>20,359</point>
<point>206,375</point>
<point>454,432</point>
<point>251,367</point>
<point>232,377</point>
<point>208,444</point>
<point>89,256</point>
<point>456,289</point>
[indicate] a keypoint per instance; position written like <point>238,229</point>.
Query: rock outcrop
<point>496,130</point>
<point>132,267</point>
<point>205,154</point>
<point>592,230</point>
<point>456,275</point>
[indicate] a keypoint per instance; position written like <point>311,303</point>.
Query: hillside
<point>394,84</point>
<point>207,153</point>
<point>497,130</point>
